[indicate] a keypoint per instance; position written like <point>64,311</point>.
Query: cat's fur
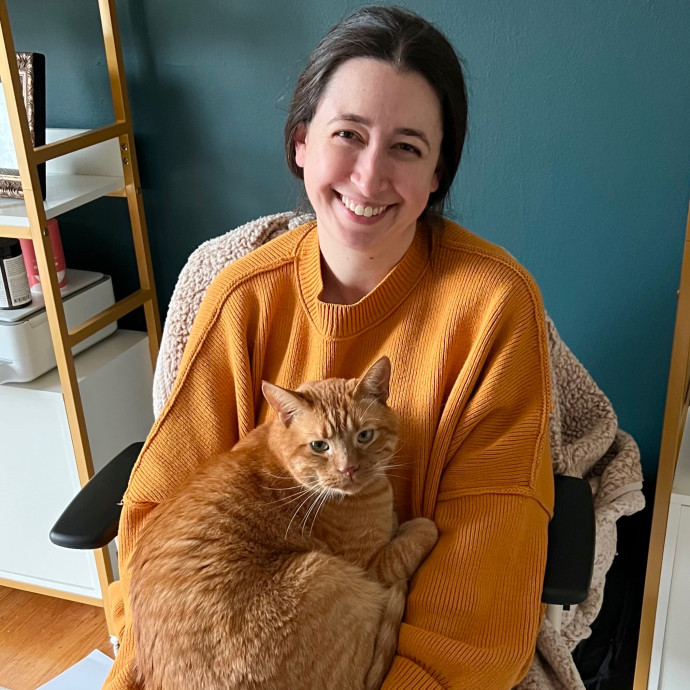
<point>277,566</point>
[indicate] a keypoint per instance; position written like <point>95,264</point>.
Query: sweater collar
<point>347,320</point>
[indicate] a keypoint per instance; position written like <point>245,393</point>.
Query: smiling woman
<point>376,130</point>
<point>370,157</point>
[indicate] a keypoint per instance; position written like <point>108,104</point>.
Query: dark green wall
<point>578,159</point>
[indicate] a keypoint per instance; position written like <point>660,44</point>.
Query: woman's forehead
<point>374,91</point>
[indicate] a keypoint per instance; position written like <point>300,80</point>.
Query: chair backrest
<point>201,268</point>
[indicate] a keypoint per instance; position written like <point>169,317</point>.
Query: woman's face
<point>370,154</point>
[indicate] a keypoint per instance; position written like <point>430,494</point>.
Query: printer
<point>26,346</point>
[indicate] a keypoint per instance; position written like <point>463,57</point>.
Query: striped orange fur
<point>280,564</point>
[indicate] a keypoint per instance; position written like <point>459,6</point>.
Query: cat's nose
<point>349,470</point>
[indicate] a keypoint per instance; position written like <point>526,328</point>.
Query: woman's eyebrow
<point>409,132</point>
<point>405,131</point>
<point>351,117</point>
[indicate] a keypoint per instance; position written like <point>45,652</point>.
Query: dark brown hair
<point>410,44</point>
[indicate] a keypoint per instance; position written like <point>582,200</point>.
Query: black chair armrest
<point>91,520</point>
<point>570,556</point>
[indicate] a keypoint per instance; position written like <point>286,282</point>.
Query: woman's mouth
<point>361,210</point>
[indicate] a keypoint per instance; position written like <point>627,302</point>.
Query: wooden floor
<point>42,636</point>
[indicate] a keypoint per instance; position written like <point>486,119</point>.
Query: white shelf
<point>64,192</point>
<point>71,180</point>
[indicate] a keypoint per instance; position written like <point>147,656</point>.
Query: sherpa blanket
<point>585,438</point>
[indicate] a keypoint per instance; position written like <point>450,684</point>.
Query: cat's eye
<point>365,436</point>
<point>319,446</point>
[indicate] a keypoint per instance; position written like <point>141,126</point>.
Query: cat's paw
<point>422,530</point>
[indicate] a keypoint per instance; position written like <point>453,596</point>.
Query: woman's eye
<point>409,148</point>
<point>365,436</point>
<point>319,446</point>
<point>345,134</point>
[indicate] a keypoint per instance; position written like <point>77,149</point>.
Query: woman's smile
<point>363,208</point>
<point>370,157</point>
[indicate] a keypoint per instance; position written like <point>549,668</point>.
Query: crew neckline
<point>348,320</point>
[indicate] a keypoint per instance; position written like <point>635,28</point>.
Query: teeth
<point>366,211</point>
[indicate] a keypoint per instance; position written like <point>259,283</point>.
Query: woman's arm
<point>474,610</point>
<point>474,607</point>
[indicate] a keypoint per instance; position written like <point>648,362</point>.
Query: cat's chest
<point>355,532</point>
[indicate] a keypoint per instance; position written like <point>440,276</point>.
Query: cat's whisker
<point>326,495</point>
<point>311,507</point>
<point>286,500</point>
<point>291,498</point>
<point>398,464</point>
<point>396,476</point>
<point>296,512</point>
<point>305,489</point>
<point>278,476</point>
<point>401,446</point>
<point>395,454</point>
<point>317,504</point>
<point>387,463</point>
<point>391,467</point>
<point>299,488</point>
<point>282,488</point>
<point>388,473</point>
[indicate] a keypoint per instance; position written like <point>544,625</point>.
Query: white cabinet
<point>670,662</point>
<point>38,472</point>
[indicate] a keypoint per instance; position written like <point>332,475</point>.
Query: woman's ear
<point>436,178</point>
<point>300,144</point>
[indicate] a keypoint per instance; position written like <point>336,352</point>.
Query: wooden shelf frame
<point>675,413</point>
<point>28,158</point>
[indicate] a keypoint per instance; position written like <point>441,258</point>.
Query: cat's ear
<point>286,403</point>
<point>375,383</point>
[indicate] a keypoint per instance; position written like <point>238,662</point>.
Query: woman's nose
<point>371,172</point>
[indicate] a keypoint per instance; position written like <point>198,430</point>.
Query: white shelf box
<point>37,463</point>
<point>71,180</point>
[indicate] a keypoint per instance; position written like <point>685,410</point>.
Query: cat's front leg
<point>401,557</point>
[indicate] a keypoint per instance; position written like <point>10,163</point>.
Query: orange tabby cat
<point>278,565</point>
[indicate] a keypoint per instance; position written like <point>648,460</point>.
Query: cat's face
<point>338,434</point>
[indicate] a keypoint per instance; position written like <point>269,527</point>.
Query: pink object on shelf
<point>58,256</point>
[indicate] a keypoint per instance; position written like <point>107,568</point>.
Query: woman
<point>376,130</point>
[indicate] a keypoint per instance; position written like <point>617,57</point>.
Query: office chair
<point>91,522</point>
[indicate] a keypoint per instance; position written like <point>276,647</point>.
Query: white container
<point>26,347</point>
<point>38,469</point>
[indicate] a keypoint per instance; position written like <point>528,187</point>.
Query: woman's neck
<point>349,275</point>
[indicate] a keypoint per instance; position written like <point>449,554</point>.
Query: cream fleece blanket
<point>585,438</point>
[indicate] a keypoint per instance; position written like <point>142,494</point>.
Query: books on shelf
<point>32,75</point>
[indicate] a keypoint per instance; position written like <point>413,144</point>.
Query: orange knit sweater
<point>463,325</point>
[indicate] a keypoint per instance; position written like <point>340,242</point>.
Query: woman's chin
<point>360,238</point>
<point>353,232</point>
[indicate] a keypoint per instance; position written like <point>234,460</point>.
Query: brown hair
<point>409,43</point>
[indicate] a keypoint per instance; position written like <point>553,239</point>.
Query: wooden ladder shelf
<point>29,158</point>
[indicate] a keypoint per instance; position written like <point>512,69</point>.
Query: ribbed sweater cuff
<point>406,675</point>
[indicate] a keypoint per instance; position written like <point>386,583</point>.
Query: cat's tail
<point>387,637</point>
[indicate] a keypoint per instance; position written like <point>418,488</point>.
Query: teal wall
<point>578,159</point>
